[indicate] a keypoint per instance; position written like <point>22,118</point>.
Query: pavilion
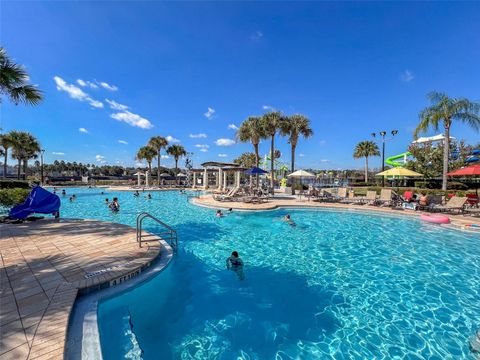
<point>219,171</point>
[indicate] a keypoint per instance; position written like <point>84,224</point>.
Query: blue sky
<point>125,71</point>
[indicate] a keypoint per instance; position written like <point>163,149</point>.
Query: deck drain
<point>89,275</point>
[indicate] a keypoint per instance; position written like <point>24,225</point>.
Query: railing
<point>169,234</point>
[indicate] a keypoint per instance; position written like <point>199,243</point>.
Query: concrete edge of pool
<point>46,264</point>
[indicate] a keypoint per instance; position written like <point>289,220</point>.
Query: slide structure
<point>393,160</point>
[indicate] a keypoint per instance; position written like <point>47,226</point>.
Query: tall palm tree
<point>14,82</point>
<point>366,149</point>
<point>6,143</point>
<point>146,153</point>
<point>271,124</point>
<point>158,143</point>
<point>24,147</point>
<point>252,130</point>
<point>176,151</point>
<point>444,110</point>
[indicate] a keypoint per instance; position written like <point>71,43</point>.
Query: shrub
<point>9,197</point>
<point>11,184</point>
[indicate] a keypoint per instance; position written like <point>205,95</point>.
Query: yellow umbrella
<point>399,171</point>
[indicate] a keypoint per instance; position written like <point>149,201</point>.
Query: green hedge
<point>9,197</point>
<point>14,184</point>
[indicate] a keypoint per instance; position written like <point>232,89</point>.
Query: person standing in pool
<point>235,263</point>
<point>114,205</point>
<point>289,220</point>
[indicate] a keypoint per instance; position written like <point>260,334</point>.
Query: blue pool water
<point>341,285</point>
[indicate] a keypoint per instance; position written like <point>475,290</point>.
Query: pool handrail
<point>171,234</point>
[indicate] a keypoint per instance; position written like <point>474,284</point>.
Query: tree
<point>247,160</point>
<point>366,149</point>
<point>158,143</point>
<point>24,147</point>
<point>444,110</point>
<point>251,130</point>
<point>271,124</point>
<point>176,151</point>
<point>14,82</point>
<point>146,153</point>
<point>6,143</point>
<point>295,126</point>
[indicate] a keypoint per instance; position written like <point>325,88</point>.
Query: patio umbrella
<point>181,175</point>
<point>301,174</point>
<point>255,171</point>
<point>466,171</point>
<point>164,175</point>
<point>399,171</point>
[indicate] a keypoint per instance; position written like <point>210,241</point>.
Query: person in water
<point>136,193</point>
<point>230,210</point>
<point>71,198</point>
<point>107,201</point>
<point>149,196</point>
<point>114,205</point>
<point>235,263</point>
<point>219,213</point>
<point>289,220</point>
<point>64,192</point>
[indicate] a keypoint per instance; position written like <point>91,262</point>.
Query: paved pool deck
<point>289,201</point>
<point>45,264</point>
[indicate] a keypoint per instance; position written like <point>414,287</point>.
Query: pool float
<point>435,218</point>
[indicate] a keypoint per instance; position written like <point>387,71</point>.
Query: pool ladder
<point>168,233</point>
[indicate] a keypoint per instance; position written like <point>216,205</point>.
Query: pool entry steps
<point>168,233</point>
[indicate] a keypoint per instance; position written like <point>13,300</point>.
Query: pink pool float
<point>435,218</point>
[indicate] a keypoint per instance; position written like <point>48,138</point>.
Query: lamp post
<point>382,134</point>
<point>41,165</point>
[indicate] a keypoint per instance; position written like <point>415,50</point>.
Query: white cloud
<point>107,86</point>
<point>322,142</point>
<point>257,35</point>
<point>132,119</point>
<point>100,158</point>
<point>87,83</point>
<point>75,92</point>
<point>171,139</point>
<point>407,76</point>
<point>268,108</point>
<point>324,161</point>
<point>222,155</point>
<point>233,127</point>
<point>116,106</point>
<point>198,136</point>
<point>58,153</point>
<point>139,164</point>
<point>301,155</point>
<point>165,156</point>
<point>210,113</point>
<point>122,142</point>
<point>83,130</point>
<point>225,142</point>
<point>203,147</point>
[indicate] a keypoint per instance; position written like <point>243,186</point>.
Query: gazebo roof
<point>219,164</point>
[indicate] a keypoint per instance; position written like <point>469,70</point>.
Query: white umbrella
<point>182,175</point>
<point>164,175</point>
<point>301,174</point>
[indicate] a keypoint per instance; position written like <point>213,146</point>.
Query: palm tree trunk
<point>25,168</point>
<point>5,163</point>
<point>366,169</point>
<point>158,167</point>
<point>257,162</point>
<point>176,171</point>
<point>272,171</point>
<point>19,168</point>
<point>293,164</point>
<point>446,153</point>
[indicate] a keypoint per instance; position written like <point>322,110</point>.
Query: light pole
<point>382,134</point>
<point>41,166</point>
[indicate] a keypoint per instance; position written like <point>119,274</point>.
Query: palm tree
<point>295,126</point>
<point>176,151</point>
<point>146,153</point>
<point>24,147</point>
<point>444,110</point>
<point>271,124</point>
<point>13,82</point>
<point>366,149</point>
<point>158,143</point>
<point>252,130</point>
<point>6,143</point>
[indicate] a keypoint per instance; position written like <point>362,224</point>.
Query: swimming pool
<point>341,284</point>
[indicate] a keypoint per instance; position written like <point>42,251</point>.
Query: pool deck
<point>46,264</point>
<point>284,201</point>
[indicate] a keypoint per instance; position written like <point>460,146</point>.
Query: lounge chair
<point>325,195</point>
<point>387,198</point>
<point>455,204</point>
<point>355,199</point>
<point>342,194</point>
<point>472,211</point>
<point>371,197</point>
<point>228,196</point>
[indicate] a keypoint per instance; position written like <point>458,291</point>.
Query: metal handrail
<point>171,233</point>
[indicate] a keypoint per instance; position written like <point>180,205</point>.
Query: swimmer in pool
<point>114,205</point>
<point>289,220</point>
<point>235,263</point>
<point>149,196</point>
<point>136,193</point>
<point>219,213</point>
<point>107,201</point>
